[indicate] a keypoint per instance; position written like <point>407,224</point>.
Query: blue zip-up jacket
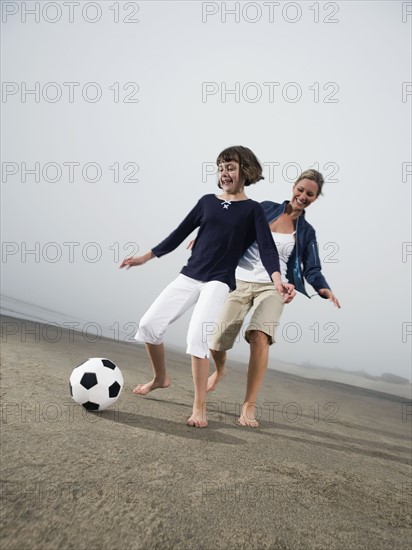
<point>304,261</point>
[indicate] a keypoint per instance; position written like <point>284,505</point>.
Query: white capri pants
<point>172,303</point>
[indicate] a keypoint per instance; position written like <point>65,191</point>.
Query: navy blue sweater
<point>226,230</point>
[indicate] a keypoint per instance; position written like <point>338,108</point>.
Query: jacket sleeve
<point>270,210</point>
<point>183,230</point>
<point>267,248</point>
<point>311,263</point>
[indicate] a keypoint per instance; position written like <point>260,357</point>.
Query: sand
<point>329,467</point>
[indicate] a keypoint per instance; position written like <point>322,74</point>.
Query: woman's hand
<point>327,293</point>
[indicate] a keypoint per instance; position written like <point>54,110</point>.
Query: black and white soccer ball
<point>96,384</point>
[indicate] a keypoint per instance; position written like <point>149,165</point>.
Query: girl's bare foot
<point>247,417</point>
<point>198,418</point>
<point>214,379</point>
<point>144,389</point>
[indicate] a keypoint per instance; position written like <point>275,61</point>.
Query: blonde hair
<point>313,175</point>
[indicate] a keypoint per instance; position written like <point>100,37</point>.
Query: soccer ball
<point>96,384</point>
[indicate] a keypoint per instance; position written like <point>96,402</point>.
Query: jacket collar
<point>280,209</point>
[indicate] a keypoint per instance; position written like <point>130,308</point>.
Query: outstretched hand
<point>132,261</point>
<point>327,293</point>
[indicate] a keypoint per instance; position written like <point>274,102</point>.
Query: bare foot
<point>143,389</point>
<point>198,418</point>
<point>214,379</point>
<point>247,417</point>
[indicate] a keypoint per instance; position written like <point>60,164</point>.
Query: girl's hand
<point>136,260</point>
<point>327,293</point>
<point>190,245</point>
<point>287,290</point>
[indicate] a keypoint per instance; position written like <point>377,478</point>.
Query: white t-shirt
<point>250,267</point>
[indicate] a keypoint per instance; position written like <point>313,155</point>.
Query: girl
<point>228,224</point>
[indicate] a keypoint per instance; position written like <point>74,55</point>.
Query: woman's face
<point>230,178</point>
<point>303,194</point>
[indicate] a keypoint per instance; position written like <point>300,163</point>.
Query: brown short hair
<point>313,175</point>
<point>250,167</point>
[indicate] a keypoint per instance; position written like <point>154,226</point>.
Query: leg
<point>258,362</point>
<point>234,310</point>
<point>268,307</point>
<point>219,357</point>
<point>156,353</point>
<point>200,371</point>
<point>175,299</point>
<point>203,322</point>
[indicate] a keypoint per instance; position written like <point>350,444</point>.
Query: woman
<point>228,224</point>
<point>298,253</point>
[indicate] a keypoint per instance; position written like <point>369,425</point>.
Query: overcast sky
<point>114,112</point>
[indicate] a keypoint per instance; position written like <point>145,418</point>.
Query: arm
<point>136,260</point>
<point>183,230</point>
<point>191,221</point>
<point>312,269</point>
<point>270,257</point>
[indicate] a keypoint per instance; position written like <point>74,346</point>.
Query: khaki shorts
<point>266,304</point>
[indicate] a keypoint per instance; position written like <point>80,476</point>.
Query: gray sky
<point>110,130</point>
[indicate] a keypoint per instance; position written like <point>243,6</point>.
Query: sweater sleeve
<point>267,248</point>
<point>183,230</point>
<point>311,263</point>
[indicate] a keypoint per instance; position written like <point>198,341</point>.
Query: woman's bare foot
<point>214,379</point>
<point>144,389</point>
<point>198,418</point>
<point>247,417</point>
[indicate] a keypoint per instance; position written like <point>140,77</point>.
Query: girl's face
<point>304,193</point>
<point>230,178</point>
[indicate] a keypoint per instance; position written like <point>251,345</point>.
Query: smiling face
<point>231,179</point>
<point>304,193</point>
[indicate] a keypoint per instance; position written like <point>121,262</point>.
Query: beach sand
<point>329,467</point>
